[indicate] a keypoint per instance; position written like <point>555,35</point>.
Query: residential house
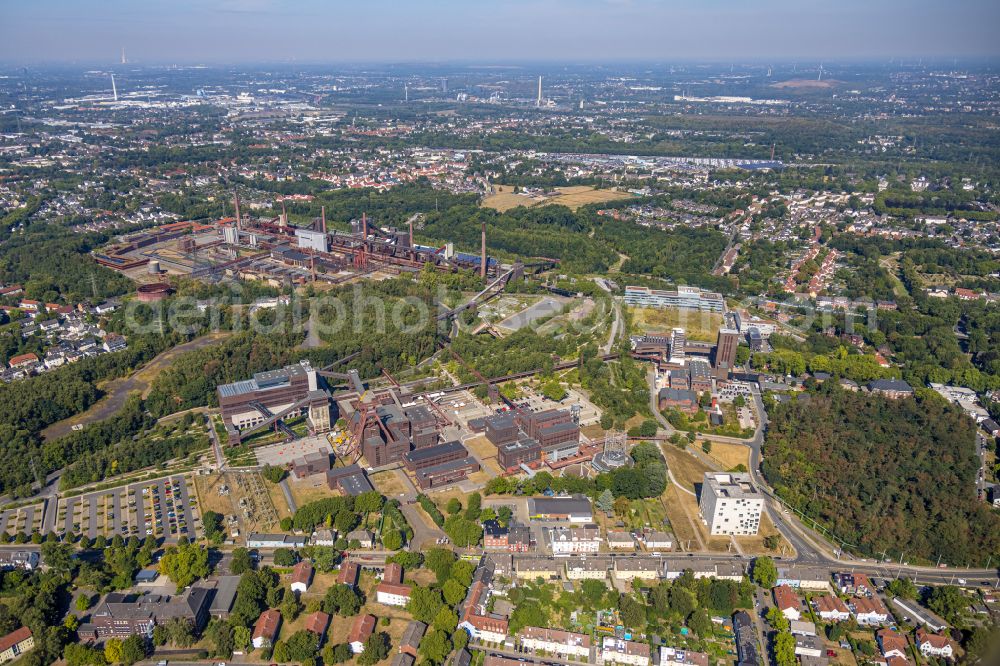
<point>302,574</point>
<point>514,538</point>
<point>891,388</point>
<point>656,540</point>
<point>537,567</point>
<point>15,644</point>
<point>830,608</point>
<point>556,641</point>
<point>348,574</point>
<point>364,538</point>
<point>361,630</point>
<point>324,538</point>
<point>933,645</point>
<point>808,646</point>
<point>409,643</point>
<point>869,611</point>
<point>575,540</point>
<point>392,591</point>
<point>617,651</point>
<point>621,541</point>
<point>587,568</point>
<point>855,584</point>
<point>317,624</point>
<point>23,360</point>
<point>891,644</point>
<point>787,602</point>
<point>474,617</point>
<point>629,568</point>
<point>670,656</point>
<point>265,629</point>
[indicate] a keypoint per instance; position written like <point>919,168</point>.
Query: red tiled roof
<point>318,622</point>
<point>302,572</point>
<point>936,640</point>
<point>362,628</point>
<point>785,598</point>
<point>267,624</point>
<point>348,573</point>
<point>394,588</point>
<point>14,637</point>
<point>23,358</point>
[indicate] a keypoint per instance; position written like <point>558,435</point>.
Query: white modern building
<point>731,504</point>
<point>682,297</point>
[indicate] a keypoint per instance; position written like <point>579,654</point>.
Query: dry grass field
<point>685,516</point>
<point>730,455</point>
<point>388,483</point>
<point>571,197</point>
<point>485,452</point>
<point>581,195</point>
<point>701,326</point>
<point>307,490</point>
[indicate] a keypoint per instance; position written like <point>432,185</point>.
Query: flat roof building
<point>681,297</point>
<point>731,504</point>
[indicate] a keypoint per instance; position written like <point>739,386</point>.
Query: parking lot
<point>25,519</point>
<point>163,508</point>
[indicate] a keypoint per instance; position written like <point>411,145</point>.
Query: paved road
<point>424,536</point>
<point>288,495</point>
<point>616,324</point>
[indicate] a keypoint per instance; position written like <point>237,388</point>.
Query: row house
<point>575,540</point>
<point>630,653</point>
<point>588,568</point>
<point>556,641</point>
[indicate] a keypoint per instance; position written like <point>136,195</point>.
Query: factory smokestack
<point>284,215</point>
<point>482,254</point>
<point>539,102</point>
<point>239,218</point>
<point>322,218</point>
<point>114,88</point>
<point>364,225</point>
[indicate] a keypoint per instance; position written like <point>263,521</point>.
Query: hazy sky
<point>221,31</point>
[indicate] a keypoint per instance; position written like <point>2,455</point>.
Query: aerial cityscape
<point>499,345</point>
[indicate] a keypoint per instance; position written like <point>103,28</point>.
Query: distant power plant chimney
<point>406,93</point>
<point>482,254</point>
<point>284,215</point>
<point>539,101</point>
<point>322,218</point>
<point>364,225</point>
<point>114,89</point>
<point>124,60</point>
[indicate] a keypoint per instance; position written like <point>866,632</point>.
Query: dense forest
<point>883,475</point>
